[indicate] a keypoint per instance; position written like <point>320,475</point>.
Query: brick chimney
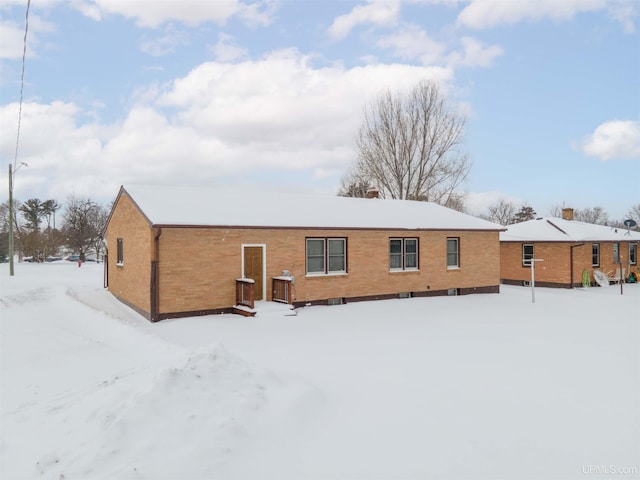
<point>567,213</point>
<point>372,192</point>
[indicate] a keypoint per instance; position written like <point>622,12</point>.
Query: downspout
<point>106,268</point>
<point>571,261</point>
<point>154,292</point>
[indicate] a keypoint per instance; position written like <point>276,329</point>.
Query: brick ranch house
<point>177,252</point>
<point>567,249</point>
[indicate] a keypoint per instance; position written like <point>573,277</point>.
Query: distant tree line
<point>37,235</point>
<point>505,212</point>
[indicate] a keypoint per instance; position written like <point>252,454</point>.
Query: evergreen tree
<point>525,213</point>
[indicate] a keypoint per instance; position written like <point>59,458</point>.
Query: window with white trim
<point>403,254</point>
<point>326,256</point>
<point>120,252</point>
<point>595,254</point>
<point>527,254</point>
<point>616,252</point>
<point>633,254</point>
<point>453,253</point>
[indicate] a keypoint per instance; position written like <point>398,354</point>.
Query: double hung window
<point>453,253</point>
<point>403,254</point>
<point>633,254</point>
<point>326,256</point>
<point>595,254</point>
<point>527,254</point>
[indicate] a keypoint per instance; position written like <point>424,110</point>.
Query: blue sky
<point>270,93</point>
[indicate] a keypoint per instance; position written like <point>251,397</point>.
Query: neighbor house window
<point>616,252</point>
<point>595,254</point>
<point>120,257</point>
<point>453,252</point>
<point>326,255</point>
<point>403,254</point>
<point>633,253</point>
<point>527,254</point>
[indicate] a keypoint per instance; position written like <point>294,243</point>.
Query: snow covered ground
<point>483,386</point>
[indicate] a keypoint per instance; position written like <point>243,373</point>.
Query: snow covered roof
<point>560,230</point>
<point>253,208</point>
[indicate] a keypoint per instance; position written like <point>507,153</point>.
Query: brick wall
<point>606,257</point>
<point>198,266</point>
<point>130,282</point>
<point>556,267</point>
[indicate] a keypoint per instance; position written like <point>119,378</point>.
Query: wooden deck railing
<point>281,291</point>
<point>245,292</point>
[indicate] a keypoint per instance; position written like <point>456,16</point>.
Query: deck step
<point>244,311</point>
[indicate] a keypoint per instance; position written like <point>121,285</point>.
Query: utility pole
<point>10,221</point>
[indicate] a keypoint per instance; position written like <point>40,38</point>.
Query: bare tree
<point>99,220</point>
<point>4,232</point>
<point>501,212</point>
<point>84,221</point>
<point>354,184</point>
<point>634,214</point>
<point>556,210</point>
<point>4,226</point>
<point>595,215</point>
<point>457,201</point>
<point>409,146</point>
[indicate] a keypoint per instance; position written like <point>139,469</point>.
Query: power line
<point>24,55</point>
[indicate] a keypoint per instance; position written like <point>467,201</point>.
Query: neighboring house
<point>566,249</point>
<point>176,252</point>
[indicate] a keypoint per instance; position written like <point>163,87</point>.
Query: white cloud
<point>90,10</point>
<point>475,54</point>
<point>190,12</point>
<point>215,123</point>
<point>413,43</point>
<point>259,14</point>
<point>377,12</point>
<point>616,139</point>
<point>227,50</point>
<point>478,203</point>
<point>296,115</point>
<point>626,13</point>
<point>166,43</point>
<point>480,14</point>
<point>58,150</point>
<point>12,37</point>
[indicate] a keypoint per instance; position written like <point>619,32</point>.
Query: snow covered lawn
<point>482,386</point>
